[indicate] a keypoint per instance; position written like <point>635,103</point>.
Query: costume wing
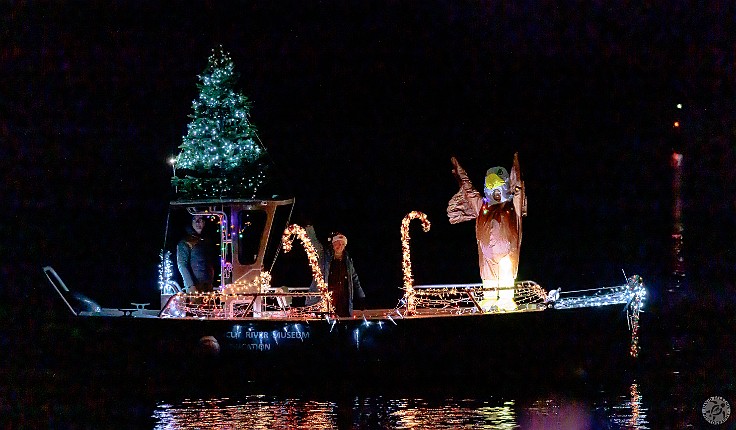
<point>516,186</point>
<point>464,205</point>
<point>459,208</point>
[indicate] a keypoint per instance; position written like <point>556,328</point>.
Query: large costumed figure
<point>497,215</point>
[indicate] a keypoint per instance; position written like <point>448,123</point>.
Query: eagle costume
<point>497,215</point>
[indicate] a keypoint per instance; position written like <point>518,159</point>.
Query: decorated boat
<point>249,322</point>
<point>245,317</point>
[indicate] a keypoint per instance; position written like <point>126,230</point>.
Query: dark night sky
<point>361,105</point>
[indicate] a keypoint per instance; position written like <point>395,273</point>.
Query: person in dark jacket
<point>339,272</point>
<point>195,258</point>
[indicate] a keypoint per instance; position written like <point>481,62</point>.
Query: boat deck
<point>370,314</point>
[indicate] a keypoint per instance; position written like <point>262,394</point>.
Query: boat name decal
<point>266,335</point>
<point>262,340</point>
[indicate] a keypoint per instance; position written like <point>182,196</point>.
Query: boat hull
<point>526,346</point>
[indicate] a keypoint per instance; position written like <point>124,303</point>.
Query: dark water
<point>58,400</point>
<point>258,411</point>
<point>684,362</point>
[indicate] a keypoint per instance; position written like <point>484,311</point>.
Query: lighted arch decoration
<point>409,293</point>
<point>287,240</point>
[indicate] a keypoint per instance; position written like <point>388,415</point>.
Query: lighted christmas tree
<point>221,155</point>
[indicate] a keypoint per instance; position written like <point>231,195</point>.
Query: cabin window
<point>250,230</point>
<point>280,221</point>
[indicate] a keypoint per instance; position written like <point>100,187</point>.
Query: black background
<point>361,105</point>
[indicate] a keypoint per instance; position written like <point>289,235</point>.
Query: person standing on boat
<point>497,215</point>
<point>195,258</point>
<point>339,272</point>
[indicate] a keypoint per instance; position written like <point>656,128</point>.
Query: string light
<point>259,284</point>
<point>406,258</point>
<point>165,272</point>
<point>221,154</point>
<point>632,294</point>
<point>461,299</point>
<point>530,296</point>
<point>287,239</point>
<point>440,300</point>
<point>636,292</point>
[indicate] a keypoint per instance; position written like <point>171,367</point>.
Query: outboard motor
<point>82,303</point>
<point>76,302</point>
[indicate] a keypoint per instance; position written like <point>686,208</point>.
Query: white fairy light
<point>165,271</point>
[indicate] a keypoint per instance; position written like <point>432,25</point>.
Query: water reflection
<point>252,412</point>
<point>45,383</point>
<point>637,418</point>
<point>626,411</point>
<point>451,414</point>
<point>501,417</point>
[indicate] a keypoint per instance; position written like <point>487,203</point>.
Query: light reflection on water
<point>252,412</point>
<point>637,417</point>
<point>626,411</point>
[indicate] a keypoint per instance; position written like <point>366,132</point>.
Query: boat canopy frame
<point>243,255</point>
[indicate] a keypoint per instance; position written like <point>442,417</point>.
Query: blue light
<point>356,335</point>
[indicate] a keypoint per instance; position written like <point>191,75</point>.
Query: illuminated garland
<point>226,241</point>
<point>286,242</point>
<point>263,282</point>
<point>175,307</point>
<point>237,305</point>
<point>212,304</point>
<point>462,299</point>
<point>636,289</point>
<point>632,294</point>
<point>199,305</point>
<point>165,271</point>
<point>409,294</point>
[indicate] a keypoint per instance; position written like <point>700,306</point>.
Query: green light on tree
<point>221,155</point>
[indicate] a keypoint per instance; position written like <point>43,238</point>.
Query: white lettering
<point>256,335</point>
<point>261,340</point>
<point>291,335</point>
<point>259,347</point>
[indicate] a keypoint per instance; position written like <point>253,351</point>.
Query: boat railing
<point>466,298</point>
<point>529,292</point>
<point>270,303</point>
<point>632,295</point>
<point>58,285</point>
<point>619,294</point>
